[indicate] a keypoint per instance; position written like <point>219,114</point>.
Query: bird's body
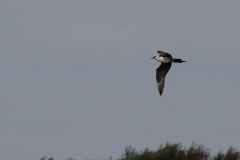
<point>166,63</point>
<point>163,59</point>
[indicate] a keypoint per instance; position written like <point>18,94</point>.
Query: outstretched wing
<point>164,54</point>
<point>161,72</point>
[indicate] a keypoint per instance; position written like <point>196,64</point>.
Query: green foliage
<point>45,158</point>
<point>177,152</point>
<point>220,156</point>
<point>174,152</point>
<point>231,154</point>
<point>198,152</point>
<point>170,151</point>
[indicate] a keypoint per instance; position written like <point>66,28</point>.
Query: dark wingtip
<point>160,92</point>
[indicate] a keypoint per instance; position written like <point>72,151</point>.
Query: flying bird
<point>166,62</point>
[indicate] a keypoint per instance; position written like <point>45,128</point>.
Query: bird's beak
<point>153,57</point>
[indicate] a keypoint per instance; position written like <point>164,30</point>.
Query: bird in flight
<point>166,62</point>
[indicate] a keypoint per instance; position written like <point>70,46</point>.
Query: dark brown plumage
<point>161,72</point>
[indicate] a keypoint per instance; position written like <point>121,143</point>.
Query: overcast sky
<point>77,79</point>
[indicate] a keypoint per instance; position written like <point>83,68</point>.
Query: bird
<point>166,63</point>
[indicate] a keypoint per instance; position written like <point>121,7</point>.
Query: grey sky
<point>77,79</point>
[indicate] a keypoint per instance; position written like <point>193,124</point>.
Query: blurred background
<point>77,79</point>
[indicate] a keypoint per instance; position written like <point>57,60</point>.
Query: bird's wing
<point>164,54</point>
<point>161,52</point>
<point>161,72</point>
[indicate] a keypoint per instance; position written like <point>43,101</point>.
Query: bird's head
<point>153,57</point>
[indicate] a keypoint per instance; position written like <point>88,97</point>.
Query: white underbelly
<point>163,59</point>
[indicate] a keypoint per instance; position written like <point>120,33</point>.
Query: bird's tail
<point>178,60</point>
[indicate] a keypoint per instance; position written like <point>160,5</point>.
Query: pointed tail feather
<point>178,60</point>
